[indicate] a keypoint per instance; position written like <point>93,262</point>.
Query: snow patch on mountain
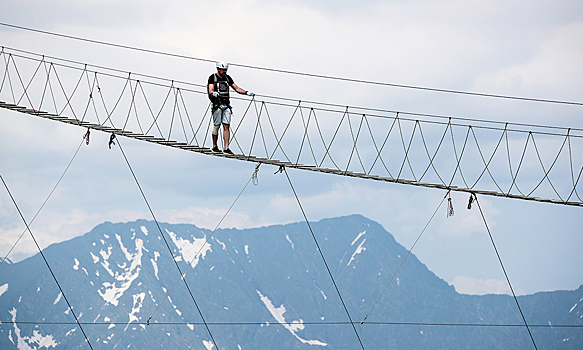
<point>138,300</point>
<point>4,288</point>
<point>58,298</point>
<point>290,241</point>
<point>293,327</point>
<point>155,265</point>
<point>357,237</point>
<point>358,250</point>
<point>221,243</point>
<point>189,249</point>
<point>37,339</point>
<point>123,280</point>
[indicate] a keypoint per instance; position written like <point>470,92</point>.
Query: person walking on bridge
<point>218,92</point>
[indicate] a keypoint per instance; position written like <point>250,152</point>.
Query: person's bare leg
<point>215,138</point>
<point>226,135</point>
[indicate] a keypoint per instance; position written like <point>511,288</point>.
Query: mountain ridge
<point>269,280</point>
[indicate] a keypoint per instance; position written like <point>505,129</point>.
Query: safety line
<point>321,76</point>
<point>321,254</point>
<point>413,114</point>
<point>46,262</point>
<point>252,178</point>
<point>405,258</point>
<point>165,241</point>
<point>502,265</point>
<point>327,323</point>
<point>406,149</point>
<point>47,199</point>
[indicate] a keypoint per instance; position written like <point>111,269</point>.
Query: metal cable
<point>322,255</point>
<point>46,262</point>
<point>503,269</point>
<point>405,258</point>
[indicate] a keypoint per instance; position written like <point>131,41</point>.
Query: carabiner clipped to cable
<point>254,176</point>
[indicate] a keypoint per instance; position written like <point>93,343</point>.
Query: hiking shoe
<point>228,151</point>
<point>216,149</point>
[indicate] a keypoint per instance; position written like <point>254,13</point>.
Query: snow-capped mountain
<point>261,288</point>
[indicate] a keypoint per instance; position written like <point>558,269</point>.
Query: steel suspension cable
<point>46,262</point>
<point>405,258</point>
<point>47,199</point>
<point>254,176</point>
<point>322,255</point>
<point>503,269</point>
<point>414,114</point>
<point>166,241</point>
<point>321,76</point>
<point>321,323</point>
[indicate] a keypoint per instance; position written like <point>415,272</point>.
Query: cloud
<point>478,286</point>
<point>494,47</point>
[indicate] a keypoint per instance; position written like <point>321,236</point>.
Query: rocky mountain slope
<point>261,288</point>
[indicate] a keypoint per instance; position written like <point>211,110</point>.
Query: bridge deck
<point>208,151</point>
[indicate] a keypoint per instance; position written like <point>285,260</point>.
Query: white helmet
<point>222,65</point>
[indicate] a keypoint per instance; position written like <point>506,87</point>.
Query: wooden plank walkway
<point>208,151</point>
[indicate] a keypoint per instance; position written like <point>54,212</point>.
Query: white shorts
<point>222,115</point>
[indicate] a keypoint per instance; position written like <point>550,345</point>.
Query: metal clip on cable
<point>111,138</point>
<point>280,170</point>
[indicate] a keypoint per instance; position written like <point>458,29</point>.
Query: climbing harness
<point>221,87</point>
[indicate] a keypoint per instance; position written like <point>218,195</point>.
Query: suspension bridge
<point>512,160</point>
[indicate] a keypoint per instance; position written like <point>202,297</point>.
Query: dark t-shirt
<point>221,85</point>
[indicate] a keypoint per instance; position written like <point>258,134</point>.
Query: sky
<point>518,48</point>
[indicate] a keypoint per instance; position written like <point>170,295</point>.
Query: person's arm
<point>239,90</point>
<point>211,88</point>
